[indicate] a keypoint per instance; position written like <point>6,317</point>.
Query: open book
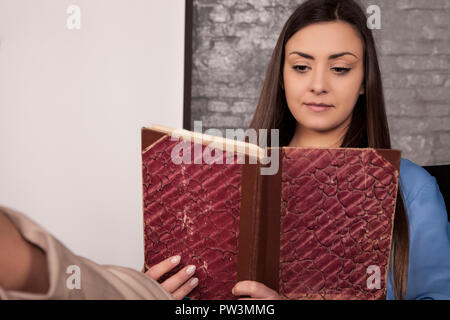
<point>320,227</point>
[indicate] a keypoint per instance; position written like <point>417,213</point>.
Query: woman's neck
<point>305,138</point>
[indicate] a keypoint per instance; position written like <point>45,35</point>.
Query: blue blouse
<point>429,234</point>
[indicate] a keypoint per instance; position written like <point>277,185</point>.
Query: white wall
<point>72,103</point>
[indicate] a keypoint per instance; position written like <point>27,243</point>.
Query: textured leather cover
<point>336,220</point>
<point>309,232</point>
<point>192,210</point>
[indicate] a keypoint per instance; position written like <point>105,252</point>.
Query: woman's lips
<point>318,107</point>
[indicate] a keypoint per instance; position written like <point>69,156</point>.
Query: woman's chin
<point>320,127</point>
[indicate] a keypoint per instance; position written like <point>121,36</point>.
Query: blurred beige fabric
<point>103,282</point>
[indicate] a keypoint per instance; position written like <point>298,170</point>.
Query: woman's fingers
<point>185,289</point>
<point>254,290</point>
<point>158,270</point>
<point>180,284</point>
<point>174,282</point>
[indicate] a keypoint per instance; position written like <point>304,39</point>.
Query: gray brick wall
<point>234,39</point>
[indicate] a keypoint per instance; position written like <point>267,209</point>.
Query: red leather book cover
<point>320,228</point>
<point>337,209</point>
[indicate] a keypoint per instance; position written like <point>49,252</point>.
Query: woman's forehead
<point>324,39</point>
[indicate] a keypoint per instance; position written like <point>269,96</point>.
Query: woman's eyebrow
<point>332,57</point>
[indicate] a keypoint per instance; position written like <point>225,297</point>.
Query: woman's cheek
<point>295,93</point>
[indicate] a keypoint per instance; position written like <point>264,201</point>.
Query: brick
<point>195,116</point>
<point>262,3</point>
<point>441,48</point>
<point>434,94</point>
<point>423,4</point>
<point>444,138</point>
<point>228,3</point>
<point>218,106</point>
<point>407,126</point>
<point>389,64</point>
<point>199,105</point>
<point>417,148</point>
<point>242,6</point>
<point>441,18</point>
<point>243,107</point>
<point>416,25</point>
<point>222,56</point>
<point>408,47</point>
<point>264,16</point>
<point>418,125</point>
<point>420,63</point>
<point>397,25</point>
<point>202,12</point>
<point>221,121</point>
<point>207,33</point>
<point>442,156</point>
<point>219,14</point>
<point>431,32</point>
<point>246,16</point>
<point>402,95</point>
<point>413,80</point>
<point>439,124</point>
<point>437,110</point>
<point>216,90</point>
<point>203,3</point>
<point>413,109</point>
<point>393,47</point>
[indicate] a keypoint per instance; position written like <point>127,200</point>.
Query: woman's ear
<point>362,90</point>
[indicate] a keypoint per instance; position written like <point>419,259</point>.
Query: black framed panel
<point>188,65</point>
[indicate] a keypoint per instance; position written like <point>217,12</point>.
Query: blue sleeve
<point>429,255</point>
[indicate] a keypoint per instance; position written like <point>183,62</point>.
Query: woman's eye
<point>341,70</point>
<point>301,69</point>
<point>338,70</point>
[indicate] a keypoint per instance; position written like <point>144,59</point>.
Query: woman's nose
<point>318,83</point>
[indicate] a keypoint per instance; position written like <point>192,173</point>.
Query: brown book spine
<point>259,228</point>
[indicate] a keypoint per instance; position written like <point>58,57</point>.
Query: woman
<point>326,55</point>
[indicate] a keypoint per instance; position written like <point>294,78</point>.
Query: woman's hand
<point>256,291</point>
<point>180,284</point>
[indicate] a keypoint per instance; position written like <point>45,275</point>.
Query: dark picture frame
<point>188,64</point>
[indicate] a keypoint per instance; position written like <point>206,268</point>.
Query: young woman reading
<point>322,89</point>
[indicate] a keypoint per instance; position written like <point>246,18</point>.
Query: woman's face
<point>323,65</point>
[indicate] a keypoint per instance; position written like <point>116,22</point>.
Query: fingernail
<point>232,291</point>
<point>190,270</point>
<point>175,259</point>
<point>193,282</point>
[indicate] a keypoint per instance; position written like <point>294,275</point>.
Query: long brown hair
<point>369,126</point>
